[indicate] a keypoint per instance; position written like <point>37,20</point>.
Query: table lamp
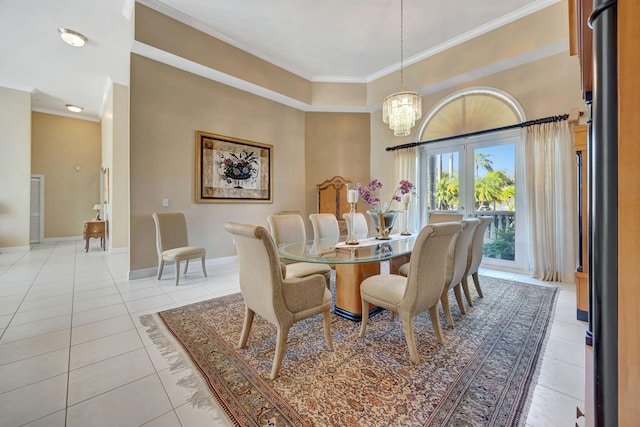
<point>97,207</point>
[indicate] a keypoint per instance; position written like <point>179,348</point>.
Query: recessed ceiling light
<point>71,37</point>
<point>73,108</point>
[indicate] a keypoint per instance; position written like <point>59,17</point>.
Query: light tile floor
<point>73,352</point>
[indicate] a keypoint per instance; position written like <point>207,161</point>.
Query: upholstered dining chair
<point>290,229</point>
<point>456,266</point>
<point>438,217</point>
<point>474,258</point>
<point>280,301</point>
<point>419,291</point>
<point>325,226</point>
<point>172,243</point>
<point>360,226</point>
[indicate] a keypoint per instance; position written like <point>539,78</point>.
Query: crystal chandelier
<point>400,110</point>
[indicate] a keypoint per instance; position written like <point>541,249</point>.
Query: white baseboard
<point>171,268</point>
<point>13,249</point>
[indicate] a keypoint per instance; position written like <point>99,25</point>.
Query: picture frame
<point>233,170</point>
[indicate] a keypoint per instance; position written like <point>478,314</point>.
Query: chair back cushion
<point>427,268</point>
<point>459,251</point>
<point>477,243</point>
<point>361,228</point>
<point>259,270</point>
<point>325,226</point>
<point>171,231</point>
<point>286,228</point>
<point>438,217</point>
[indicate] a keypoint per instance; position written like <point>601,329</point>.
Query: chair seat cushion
<point>404,270</point>
<point>186,252</point>
<point>304,269</point>
<point>384,287</point>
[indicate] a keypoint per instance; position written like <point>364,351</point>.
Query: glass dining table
<point>353,264</point>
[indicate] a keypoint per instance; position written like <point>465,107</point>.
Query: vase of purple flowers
<point>382,216</point>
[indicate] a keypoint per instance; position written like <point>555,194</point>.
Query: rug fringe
<point>178,360</point>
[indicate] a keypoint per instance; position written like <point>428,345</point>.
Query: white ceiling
<point>321,40</point>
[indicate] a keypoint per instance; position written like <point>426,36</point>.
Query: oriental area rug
<point>483,374</point>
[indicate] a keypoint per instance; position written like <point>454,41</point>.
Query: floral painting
<point>232,170</point>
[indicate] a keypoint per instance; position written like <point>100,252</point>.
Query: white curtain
<point>550,201</point>
<point>404,167</point>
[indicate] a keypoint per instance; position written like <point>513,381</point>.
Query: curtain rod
<point>549,119</point>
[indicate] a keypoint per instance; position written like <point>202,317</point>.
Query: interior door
<point>36,219</point>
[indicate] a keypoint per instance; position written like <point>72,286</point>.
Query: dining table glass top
<point>332,251</point>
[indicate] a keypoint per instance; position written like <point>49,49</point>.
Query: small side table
<point>95,229</point>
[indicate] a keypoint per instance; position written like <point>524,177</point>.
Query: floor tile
<point>177,394</point>
<point>147,303</point>
<point>138,402</point>
<point>33,329</point>
<point>28,371</point>
<point>201,417</point>
<point>102,328</point>
<point>57,419</point>
<point>32,402</point>
<point>104,348</point>
<point>30,347</point>
<point>93,303</point>
<point>551,408</point>
<point>569,331</point>
<point>42,313</point>
<point>92,380</point>
<point>102,313</point>
<point>562,377</point>
<point>565,351</point>
<point>170,419</point>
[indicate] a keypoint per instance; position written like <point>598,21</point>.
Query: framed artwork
<point>232,170</point>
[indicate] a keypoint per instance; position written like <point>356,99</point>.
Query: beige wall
<point>60,144</point>
<point>336,144</point>
<point>168,106</point>
<point>115,157</point>
<point>15,167</point>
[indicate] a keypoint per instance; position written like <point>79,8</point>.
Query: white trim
<point>12,249</point>
<point>170,268</point>
<point>478,31</point>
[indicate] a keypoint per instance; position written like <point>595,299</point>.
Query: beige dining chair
<point>360,226</point>
<point>290,229</point>
<point>456,266</point>
<point>419,291</point>
<point>325,226</point>
<point>280,301</point>
<point>438,217</point>
<point>172,243</point>
<point>474,258</point>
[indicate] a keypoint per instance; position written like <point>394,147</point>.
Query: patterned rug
<point>483,375</point>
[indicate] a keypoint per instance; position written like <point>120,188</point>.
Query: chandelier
<point>400,110</point>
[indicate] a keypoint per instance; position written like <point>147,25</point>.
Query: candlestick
<point>405,232</point>
<point>352,196</point>
<point>352,224</point>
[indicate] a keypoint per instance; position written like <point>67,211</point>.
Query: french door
<point>478,176</point>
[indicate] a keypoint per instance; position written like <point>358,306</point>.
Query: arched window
<point>474,175</point>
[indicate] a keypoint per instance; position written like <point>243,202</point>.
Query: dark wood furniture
<point>96,230</point>
<point>582,272</point>
<point>332,198</point>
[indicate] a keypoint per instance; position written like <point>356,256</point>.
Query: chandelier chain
<point>401,44</point>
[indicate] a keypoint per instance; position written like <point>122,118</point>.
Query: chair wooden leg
<point>204,268</point>
<point>160,268</point>
<point>177,272</point>
<point>435,321</point>
<point>246,327</point>
<point>476,282</point>
<point>444,299</point>
<point>186,267</point>
<point>365,317</point>
<point>283,332</point>
<point>407,326</point>
<point>327,328</point>
<point>458,293</point>
<point>465,288</point>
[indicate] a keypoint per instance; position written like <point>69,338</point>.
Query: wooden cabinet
<point>94,229</point>
<point>581,42</point>
<point>582,272</point>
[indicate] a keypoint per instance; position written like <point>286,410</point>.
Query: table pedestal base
<point>348,280</point>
